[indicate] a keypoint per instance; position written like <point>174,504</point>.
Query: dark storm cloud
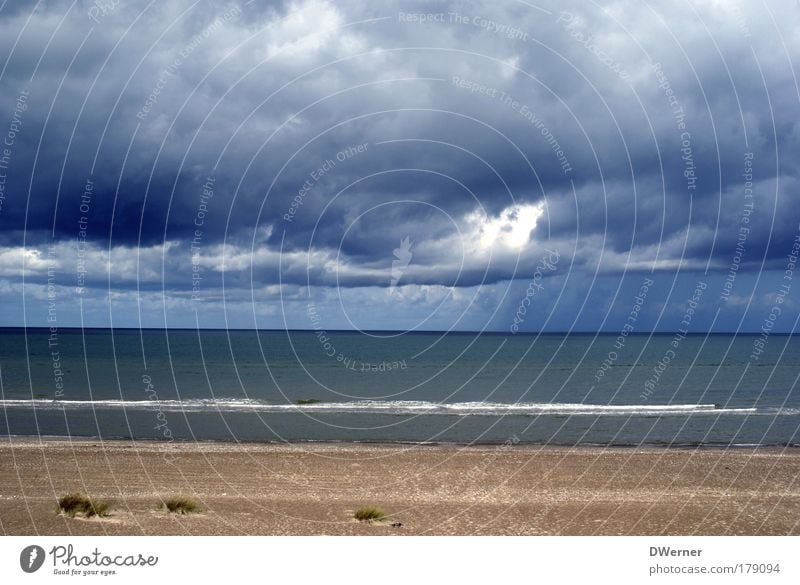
<point>457,116</point>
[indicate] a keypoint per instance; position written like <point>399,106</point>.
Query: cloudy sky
<point>400,165</point>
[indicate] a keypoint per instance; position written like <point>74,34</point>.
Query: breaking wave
<point>402,407</point>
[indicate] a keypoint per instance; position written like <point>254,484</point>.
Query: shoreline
<point>314,488</point>
<point>77,439</point>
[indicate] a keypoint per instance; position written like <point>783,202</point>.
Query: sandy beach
<point>450,490</point>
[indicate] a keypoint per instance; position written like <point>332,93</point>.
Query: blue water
<point>384,386</point>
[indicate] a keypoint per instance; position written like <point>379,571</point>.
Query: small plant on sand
<point>180,505</point>
<point>369,514</point>
<point>303,401</point>
<point>80,505</point>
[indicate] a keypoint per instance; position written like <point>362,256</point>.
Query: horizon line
<point>401,331</point>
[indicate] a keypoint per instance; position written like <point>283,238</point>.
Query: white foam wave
<point>401,407</point>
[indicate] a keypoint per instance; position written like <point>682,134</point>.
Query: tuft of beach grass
<point>369,514</point>
<point>76,504</point>
<point>181,505</point>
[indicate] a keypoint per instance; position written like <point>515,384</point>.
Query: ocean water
<point>394,387</point>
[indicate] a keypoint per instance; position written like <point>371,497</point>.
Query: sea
<point>401,387</point>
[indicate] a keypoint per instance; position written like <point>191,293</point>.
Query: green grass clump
<point>369,514</point>
<point>76,504</point>
<point>181,505</point>
<point>303,401</point>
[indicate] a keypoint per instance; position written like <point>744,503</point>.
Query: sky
<point>486,166</point>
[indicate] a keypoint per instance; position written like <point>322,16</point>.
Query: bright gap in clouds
<point>511,229</point>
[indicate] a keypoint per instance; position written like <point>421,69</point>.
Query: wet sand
<point>315,488</point>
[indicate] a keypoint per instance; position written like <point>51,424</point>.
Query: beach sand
<point>438,490</point>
